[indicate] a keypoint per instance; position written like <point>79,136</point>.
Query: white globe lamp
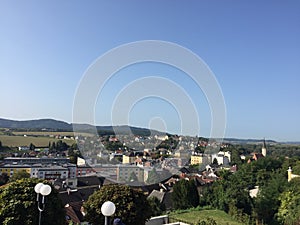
<point>108,209</point>
<point>45,190</point>
<point>37,188</point>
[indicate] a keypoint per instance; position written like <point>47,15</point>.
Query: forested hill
<point>56,125</point>
<point>39,124</point>
<point>245,141</point>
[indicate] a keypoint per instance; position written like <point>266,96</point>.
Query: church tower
<point>290,174</point>
<point>264,148</point>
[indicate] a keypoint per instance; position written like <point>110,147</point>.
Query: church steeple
<point>289,174</point>
<point>264,148</point>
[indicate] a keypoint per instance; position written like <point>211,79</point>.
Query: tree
<point>31,146</point>
<point>73,155</point>
<point>185,195</point>
<point>289,210</point>
<point>0,144</point>
<point>199,149</point>
<point>208,221</point>
<point>235,155</point>
<point>19,206</point>
<point>131,205</point>
<point>53,146</point>
<point>61,146</point>
<point>215,162</point>
<point>19,175</point>
<point>3,178</point>
<point>74,146</point>
<point>157,207</point>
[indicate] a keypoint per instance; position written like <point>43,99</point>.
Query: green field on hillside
<point>193,216</point>
<point>43,133</point>
<point>16,141</point>
<point>48,133</point>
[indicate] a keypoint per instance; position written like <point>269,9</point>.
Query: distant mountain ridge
<point>56,125</point>
<point>39,124</point>
<point>238,140</point>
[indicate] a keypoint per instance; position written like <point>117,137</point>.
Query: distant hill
<point>245,141</point>
<point>126,129</point>
<point>48,124</point>
<point>56,125</point>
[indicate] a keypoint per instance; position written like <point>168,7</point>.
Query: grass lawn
<point>193,217</point>
<point>15,141</point>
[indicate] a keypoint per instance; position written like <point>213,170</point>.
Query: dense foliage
<point>170,143</point>
<point>289,210</point>
<point>185,195</point>
<point>207,221</point>
<point>157,207</point>
<point>73,155</point>
<point>274,149</point>
<point>3,179</point>
<point>19,175</point>
<point>132,205</point>
<point>277,201</point>
<point>19,199</point>
<point>58,146</point>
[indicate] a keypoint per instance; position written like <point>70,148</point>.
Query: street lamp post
<point>44,190</point>
<point>108,209</point>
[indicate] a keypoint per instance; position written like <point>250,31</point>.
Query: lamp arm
<point>41,208</point>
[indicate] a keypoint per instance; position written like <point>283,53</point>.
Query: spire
<point>264,148</point>
<point>264,144</point>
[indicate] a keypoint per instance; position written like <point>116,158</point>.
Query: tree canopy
<point>185,195</point>
<point>231,192</point>
<point>19,199</point>
<point>3,178</point>
<point>157,207</point>
<point>131,205</point>
<point>289,209</point>
<point>19,175</point>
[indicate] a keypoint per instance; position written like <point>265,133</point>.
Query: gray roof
<point>157,194</point>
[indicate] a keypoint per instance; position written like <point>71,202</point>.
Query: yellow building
<point>196,159</point>
<point>200,159</point>
<point>10,169</point>
<point>128,159</point>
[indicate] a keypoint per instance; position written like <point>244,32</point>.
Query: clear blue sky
<point>253,48</point>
